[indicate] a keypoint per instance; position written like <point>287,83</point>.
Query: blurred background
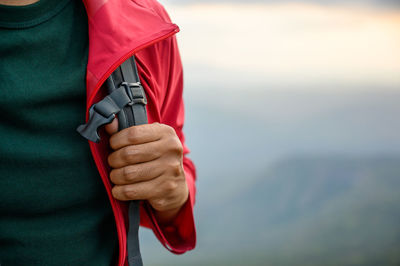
<point>292,117</point>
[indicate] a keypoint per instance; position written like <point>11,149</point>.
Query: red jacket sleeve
<point>164,78</point>
<point>161,73</point>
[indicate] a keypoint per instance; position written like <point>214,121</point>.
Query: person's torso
<point>53,207</point>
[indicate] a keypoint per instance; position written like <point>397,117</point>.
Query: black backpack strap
<point>130,115</point>
<point>126,99</point>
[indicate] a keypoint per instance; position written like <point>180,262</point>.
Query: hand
<point>147,165</point>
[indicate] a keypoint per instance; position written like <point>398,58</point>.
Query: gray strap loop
<point>104,111</point>
<point>113,103</point>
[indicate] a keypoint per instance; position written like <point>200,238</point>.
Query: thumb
<point>112,127</point>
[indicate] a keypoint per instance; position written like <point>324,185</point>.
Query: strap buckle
<point>96,120</point>
<point>135,92</point>
<point>104,112</point>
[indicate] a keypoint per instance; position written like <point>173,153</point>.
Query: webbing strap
<point>131,115</point>
<point>126,99</point>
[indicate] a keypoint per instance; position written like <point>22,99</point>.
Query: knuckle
<point>166,129</point>
<point>113,176</point>
<point>179,147</point>
<point>128,193</point>
<point>160,204</point>
<point>131,173</point>
<point>176,168</point>
<point>132,135</point>
<point>111,159</point>
<point>174,145</point>
<point>124,154</point>
<point>126,173</point>
<point>115,192</point>
<point>169,130</point>
<point>155,128</point>
<point>112,142</point>
<point>129,153</point>
<point>143,172</point>
<point>170,186</point>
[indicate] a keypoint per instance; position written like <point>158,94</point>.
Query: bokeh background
<point>292,117</point>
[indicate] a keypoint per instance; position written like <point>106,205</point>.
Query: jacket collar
<point>117,30</point>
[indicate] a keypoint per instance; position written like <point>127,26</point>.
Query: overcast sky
<point>387,3</point>
<point>289,44</point>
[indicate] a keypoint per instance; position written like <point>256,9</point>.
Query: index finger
<point>135,135</point>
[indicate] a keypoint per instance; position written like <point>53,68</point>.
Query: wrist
<point>168,216</point>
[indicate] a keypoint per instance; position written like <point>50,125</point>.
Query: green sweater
<point>53,207</point>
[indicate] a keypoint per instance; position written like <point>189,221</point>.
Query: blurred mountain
<point>306,210</point>
<point>238,135</point>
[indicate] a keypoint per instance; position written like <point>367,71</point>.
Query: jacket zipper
<point>119,219</point>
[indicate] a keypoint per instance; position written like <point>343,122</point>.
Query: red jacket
<point>117,30</point>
